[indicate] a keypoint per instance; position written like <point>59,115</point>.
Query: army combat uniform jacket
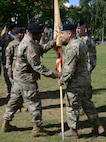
<point>91,53</point>
<point>11,55</point>
<point>28,65</point>
<point>75,70</point>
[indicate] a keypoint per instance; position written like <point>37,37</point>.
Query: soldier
<point>11,52</point>
<point>78,82</point>
<point>6,38</point>
<point>81,31</point>
<point>27,71</point>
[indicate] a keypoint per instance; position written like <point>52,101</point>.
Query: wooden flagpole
<point>61,105</point>
<point>57,24</point>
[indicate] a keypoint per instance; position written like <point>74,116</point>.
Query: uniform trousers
<point>75,98</point>
<point>30,94</point>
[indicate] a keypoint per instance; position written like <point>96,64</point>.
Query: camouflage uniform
<point>11,54</point>
<point>78,82</point>
<point>27,71</point>
<point>5,42</point>
<point>91,54</point>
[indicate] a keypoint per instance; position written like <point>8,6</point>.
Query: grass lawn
<point>49,92</point>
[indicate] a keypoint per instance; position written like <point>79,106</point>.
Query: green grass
<point>51,106</point>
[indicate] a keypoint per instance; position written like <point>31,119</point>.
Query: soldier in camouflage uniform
<point>5,41</point>
<point>81,32</point>
<point>78,82</point>
<point>27,71</point>
<point>11,53</point>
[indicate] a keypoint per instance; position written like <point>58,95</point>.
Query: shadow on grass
<point>87,135</point>
<point>51,94</point>
<point>3,101</point>
<point>24,129</point>
<point>50,132</point>
<point>55,126</point>
<point>99,90</point>
<point>101,108</point>
<point>52,106</point>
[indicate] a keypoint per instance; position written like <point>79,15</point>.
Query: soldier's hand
<point>60,82</point>
<point>56,75</point>
<point>59,74</point>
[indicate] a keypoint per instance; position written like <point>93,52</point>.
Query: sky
<point>74,2</point>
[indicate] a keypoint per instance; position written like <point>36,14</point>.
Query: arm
<point>91,55</point>
<point>34,60</point>
<point>9,59</point>
<point>46,47</point>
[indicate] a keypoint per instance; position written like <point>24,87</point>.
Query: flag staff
<point>61,105</point>
<point>57,24</point>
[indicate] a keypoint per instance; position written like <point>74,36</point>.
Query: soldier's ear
<point>70,33</point>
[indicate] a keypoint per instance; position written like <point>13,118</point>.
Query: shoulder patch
<point>32,55</point>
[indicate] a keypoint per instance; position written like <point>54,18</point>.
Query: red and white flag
<point>58,66</point>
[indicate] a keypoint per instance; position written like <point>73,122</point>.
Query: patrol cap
<point>80,23</point>
<point>12,26</point>
<point>66,27</point>
<point>20,30</point>
<point>35,28</point>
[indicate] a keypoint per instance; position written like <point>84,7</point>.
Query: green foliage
<point>41,11</point>
<point>94,13</point>
<point>75,13</point>
<point>25,11</point>
<point>16,9</point>
<point>98,12</point>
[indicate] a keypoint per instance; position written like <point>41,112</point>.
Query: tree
<point>94,13</point>
<point>25,11</point>
<point>16,10</point>
<point>99,17</point>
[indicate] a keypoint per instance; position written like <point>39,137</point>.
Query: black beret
<point>35,28</point>
<point>12,27</point>
<point>80,23</point>
<point>20,30</point>
<point>66,27</point>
